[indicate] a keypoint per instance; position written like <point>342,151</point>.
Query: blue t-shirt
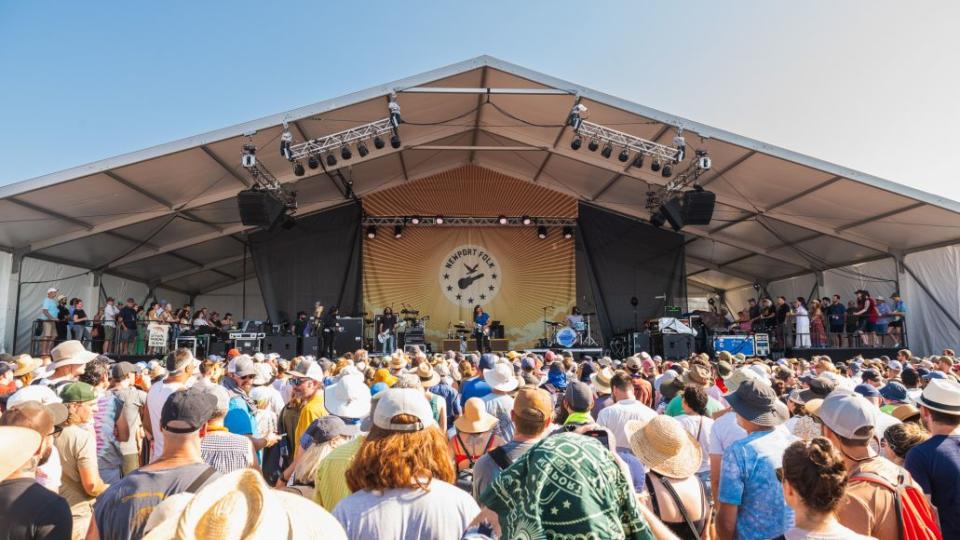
<point>935,465</point>
<point>50,305</point>
<point>481,319</point>
<point>748,479</point>
<point>475,387</point>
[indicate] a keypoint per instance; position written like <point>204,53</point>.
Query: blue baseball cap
<point>934,375</point>
<point>866,390</point>
<point>894,391</point>
<point>487,361</point>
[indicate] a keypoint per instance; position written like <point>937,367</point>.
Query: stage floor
<point>840,353</point>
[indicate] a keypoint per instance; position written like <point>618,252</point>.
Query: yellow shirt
<point>331,482</point>
<point>311,410</point>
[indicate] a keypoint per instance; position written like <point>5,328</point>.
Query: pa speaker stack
<point>259,208</point>
<point>698,207</point>
<point>673,213</point>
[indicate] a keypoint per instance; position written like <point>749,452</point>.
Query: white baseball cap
<point>397,401</point>
<point>847,412</point>
<point>51,289</point>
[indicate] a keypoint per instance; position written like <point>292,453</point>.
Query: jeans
<point>389,345</point>
<point>704,478</point>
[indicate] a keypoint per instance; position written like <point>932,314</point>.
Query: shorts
<point>109,332</point>
<point>127,335</point>
<point>49,329</point>
<point>869,326</point>
<point>896,324</point>
<point>836,329</point>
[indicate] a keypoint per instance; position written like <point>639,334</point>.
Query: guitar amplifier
<point>414,336</point>
<point>247,345</point>
<point>452,345</point>
<point>672,346</point>
<point>351,338</point>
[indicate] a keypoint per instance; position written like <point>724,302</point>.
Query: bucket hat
<point>475,418</point>
<point>500,377</point>
<point>758,403</point>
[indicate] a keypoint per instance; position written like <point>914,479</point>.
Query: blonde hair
<point>305,473</point>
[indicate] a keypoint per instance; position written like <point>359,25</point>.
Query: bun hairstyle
<point>816,471</point>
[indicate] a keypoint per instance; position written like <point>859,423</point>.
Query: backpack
<point>464,479</point>
<point>915,519</point>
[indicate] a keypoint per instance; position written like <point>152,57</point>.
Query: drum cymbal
<point>460,326</point>
<point>410,311</point>
<point>368,321</point>
<point>551,323</point>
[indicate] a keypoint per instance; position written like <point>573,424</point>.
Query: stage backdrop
<point>444,272</point>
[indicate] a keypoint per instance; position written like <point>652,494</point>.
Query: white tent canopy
<point>167,216</point>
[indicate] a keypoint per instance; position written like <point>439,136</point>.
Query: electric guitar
<point>382,337</point>
<point>465,282</point>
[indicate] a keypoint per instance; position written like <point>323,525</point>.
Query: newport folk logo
<point>469,275</point>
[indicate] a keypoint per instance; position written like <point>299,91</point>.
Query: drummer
<point>575,319</point>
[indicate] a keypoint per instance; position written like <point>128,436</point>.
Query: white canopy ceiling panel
<point>496,78</point>
<point>574,176</point>
<point>198,282</point>
<point>21,226</point>
<point>90,252</point>
<point>715,252</point>
<point>625,190</point>
<point>620,120</point>
<point>213,250</point>
<point>470,78</point>
<point>829,251</point>
<point>156,267</point>
<point>765,235</point>
<point>764,180</point>
<point>220,213</point>
<point>719,280</point>
<point>536,118</point>
<point>181,177</point>
<point>88,199</point>
<point>519,164</point>
<point>831,204</point>
<point>765,267</point>
<point>919,227</point>
<point>324,124</point>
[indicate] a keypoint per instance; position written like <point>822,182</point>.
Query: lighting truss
<point>620,140</point>
<point>335,141</point>
<point>268,182</point>
<point>492,221</point>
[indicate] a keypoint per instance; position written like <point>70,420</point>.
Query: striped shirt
<point>226,452</point>
<point>331,484</point>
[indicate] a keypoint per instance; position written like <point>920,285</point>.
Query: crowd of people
<point>121,329</point>
<point>476,446</point>
<point>866,321</point>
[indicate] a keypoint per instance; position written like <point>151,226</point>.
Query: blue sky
<point>871,85</point>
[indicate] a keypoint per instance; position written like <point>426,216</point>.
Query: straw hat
<point>475,418</point>
<point>601,380</point>
<point>428,377</point>
<point>17,445</point>
<point>26,364</point>
<point>397,362</point>
<point>241,505</point>
<point>664,446</point>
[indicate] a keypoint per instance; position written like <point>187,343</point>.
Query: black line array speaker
<point>258,208</point>
<point>698,207</point>
<point>673,212</point>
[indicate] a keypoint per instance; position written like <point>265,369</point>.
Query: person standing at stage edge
<point>307,380</point>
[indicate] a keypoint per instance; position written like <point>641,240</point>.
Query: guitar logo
<point>469,276</point>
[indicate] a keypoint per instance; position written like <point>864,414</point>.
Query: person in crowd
<point>699,424</point>
<point>699,374</point>
<point>499,402</point>
<point>476,385</point>
<point>613,418</point>
<point>28,510</point>
<point>224,451</point>
<point>114,426</point>
<point>818,332</point>
<point>69,362</point>
<point>576,404</point>
<point>893,394</point>
<point>883,320</point>
<point>127,321</point>
<point>402,477</point>
<point>326,434</point>
<point>935,463</point>
<point>180,370</point>
<point>428,378</point>
<point>900,438</point>
<point>814,480</point>
<point>349,399</point>
<point>836,317</point>
<point>852,324</point>
<point>750,497</point>
<point>898,310</point>
<point>63,319</point>
<point>77,446</point>
<point>451,398</point>
<point>80,321</point>
<point>556,383</point>
<point>476,434</point>
<point>48,318</point>
<point>307,380</point>
<point>110,314</point>
<point>672,456</point>
<point>642,388</point>
<point>849,422</point>
<point>532,415</point>
<point>122,511</point>
<point>601,386</point>
<point>801,320</point>
<point>868,316</point>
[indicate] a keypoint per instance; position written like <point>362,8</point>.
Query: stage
<point>838,353</point>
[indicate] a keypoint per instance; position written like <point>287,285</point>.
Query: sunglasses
<point>248,377</point>
<point>299,380</point>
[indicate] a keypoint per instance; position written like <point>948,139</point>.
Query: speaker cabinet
<point>309,345</point>
<point>672,346</point>
<point>673,213</point>
<point>698,207</point>
<point>639,342</point>
<point>285,346</point>
<point>351,338</point>
<point>258,208</point>
<point>499,345</point>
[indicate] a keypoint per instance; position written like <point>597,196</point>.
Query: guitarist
<point>386,333</point>
<point>481,330</point>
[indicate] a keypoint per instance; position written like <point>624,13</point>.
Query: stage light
<point>624,156</point>
<point>541,232</point>
<point>378,143</point>
<point>527,220</point>
<point>667,171</point>
<point>657,220</point>
<point>298,169</point>
<point>331,160</point>
<point>638,161</point>
<point>395,141</point>
<point>345,153</point>
<point>362,149</point>
<point>371,232</point>
<point>398,231</point>
<point>655,165</point>
<point>568,232</point>
<point>415,220</point>
<point>439,220</point>
<point>576,143</point>
<point>607,151</point>
<point>593,145</point>
<point>313,162</point>
<point>249,159</point>
<point>286,141</point>
<point>502,220</point>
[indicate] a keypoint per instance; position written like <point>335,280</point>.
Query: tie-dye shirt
<point>748,479</point>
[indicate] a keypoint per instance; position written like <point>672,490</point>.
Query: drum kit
<point>560,335</point>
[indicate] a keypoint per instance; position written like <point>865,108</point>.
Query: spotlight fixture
<point>398,231</point>
<point>667,171</point>
<point>527,220</point>
<point>624,156</point>
<point>655,165</point>
<point>298,169</point>
<point>415,220</point>
<point>345,153</point>
<point>657,220</point>
<point>395,141</point>
<point>371,232</point>
<point>439,220</point>
<point>362,149</point>
<point>313,162</point>
<point>576,143</point>
<point>378,143</point>
<point>286,141</point>
<point>249,159</point>
<point>502,220</point>
<point>638,161</point>
<point>607,151</point>
<point>541,232</point>
<point>331,160</point>
<point>568,232</point>
<point>594,144</point>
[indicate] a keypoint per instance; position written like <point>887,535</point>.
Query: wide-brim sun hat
<point>427,375</point>
<point>26,364</point>
<point>757,403</point>
<point>475,418</point>
<point>501,378</point>
<point>664,446</point>
<point>348,397</point>
<point>17,446</point>
<point>71,353</point>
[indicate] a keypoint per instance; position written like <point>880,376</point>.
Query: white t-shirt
<point>702,425</point>
<point>725,431</point>
<point>408,514</point>
<point>48,474</point>
<point>156,397</point>
<point>615,416</point>
<point>834,532</point>
<point>110,312</point>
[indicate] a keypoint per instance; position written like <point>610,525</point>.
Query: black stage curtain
<point>317,260</point>
<point>620,257</point>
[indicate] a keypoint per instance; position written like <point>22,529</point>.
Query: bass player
<point>481,329</point>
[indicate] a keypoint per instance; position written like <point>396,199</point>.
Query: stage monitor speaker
<point>310,345</point>
<point>698,207</point>
<point>247,345</point>
<point>672,346</point>
<point>258,208</point>
<point>285,346</point>
<point>639,342</point>
<point>351,338</point>
<point>218,348</point>
<point>673,213</point>
<point>452,345</point>
<point>499,345</point>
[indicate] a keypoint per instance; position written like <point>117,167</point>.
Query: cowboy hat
<point>698,374</point>
<point>601,380</point>
<point>71,353</point>
<point>17,445</point>
<point>664,446</point>
<point>397,361</point>
<point>26,364</point>
<point>475,418</point>
<point>501,378</point>
<point>428,376</point>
